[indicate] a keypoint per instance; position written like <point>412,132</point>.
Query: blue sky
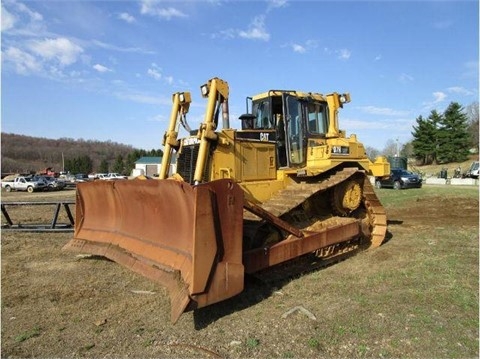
<point>106,70</point>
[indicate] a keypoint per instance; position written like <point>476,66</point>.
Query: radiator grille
<point>186,162</point>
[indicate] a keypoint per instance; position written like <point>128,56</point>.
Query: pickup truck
<point>24,184</point>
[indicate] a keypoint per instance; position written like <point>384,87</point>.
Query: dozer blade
<point>187,238</point>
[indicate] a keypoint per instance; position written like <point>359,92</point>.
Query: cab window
<point>317,119</point>
<point>263,117</point>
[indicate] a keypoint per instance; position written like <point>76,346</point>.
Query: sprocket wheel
<point>346,197</point>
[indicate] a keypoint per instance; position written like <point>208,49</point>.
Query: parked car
<point>81,177</point>
<point>399,179</point>
<point>116,176</point>
<point>110,176</point>
<point>54,183</point>
<point>22,183</point>
<point>67,177</point>
<point>41,179</point>
<point>473,171</point>
<point>100,176</point>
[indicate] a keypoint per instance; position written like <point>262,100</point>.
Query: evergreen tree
<point>425,138</point>
<point>103,166</point>
<point>453,136</point>
<point>119,166</point>
<point>82,164</point>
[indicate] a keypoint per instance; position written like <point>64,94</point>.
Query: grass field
<point>414,297</point>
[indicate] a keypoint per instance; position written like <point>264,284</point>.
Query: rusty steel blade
<point>187,238</point>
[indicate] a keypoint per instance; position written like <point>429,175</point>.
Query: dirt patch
<point>407,298</point>
<point>437,212</point>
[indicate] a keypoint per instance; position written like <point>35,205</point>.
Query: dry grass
<point>414,297</point>
<point>434,170</point>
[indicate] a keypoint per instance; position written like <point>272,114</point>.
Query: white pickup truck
<point>24,184</point>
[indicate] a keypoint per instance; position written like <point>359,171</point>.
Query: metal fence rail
<point>52,226</point>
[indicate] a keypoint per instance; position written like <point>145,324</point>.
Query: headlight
<point>204,90</point>
<point>344,98</point>
<point>181,97</point>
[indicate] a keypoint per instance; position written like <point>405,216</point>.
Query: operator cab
<point>294,117</point>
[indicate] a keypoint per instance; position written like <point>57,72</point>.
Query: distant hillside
<point>25,153</point>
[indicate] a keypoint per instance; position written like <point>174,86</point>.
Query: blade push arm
<point>216,90</point>
<point>181,104</point>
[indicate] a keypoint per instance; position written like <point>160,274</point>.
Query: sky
<point>106,70</point>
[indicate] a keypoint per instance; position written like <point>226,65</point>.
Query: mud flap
<point>187,238</point>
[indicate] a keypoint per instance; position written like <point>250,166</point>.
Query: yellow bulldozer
<point>287,184</point>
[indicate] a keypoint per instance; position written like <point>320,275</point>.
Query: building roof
<point>149,160</point>
<point>146,160</point>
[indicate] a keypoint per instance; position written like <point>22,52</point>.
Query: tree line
<point>446,137</point>
<point>442,137</point>
<point>27,154</point>
<point>122,165</point>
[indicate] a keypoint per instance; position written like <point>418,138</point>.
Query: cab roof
<point>316,96</point>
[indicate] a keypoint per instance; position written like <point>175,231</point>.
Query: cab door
<point>295,132</point>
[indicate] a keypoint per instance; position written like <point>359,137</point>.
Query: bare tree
<point>473,118</point>
<point>372,153</point>
<point>391,148</point>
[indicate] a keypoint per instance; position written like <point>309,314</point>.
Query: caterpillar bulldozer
<point>287,184</point>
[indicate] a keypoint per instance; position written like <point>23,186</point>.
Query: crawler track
<point>306,205</point>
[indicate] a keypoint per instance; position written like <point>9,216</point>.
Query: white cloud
<point>225,34</point>
<point>256,30</point>
<point>154,8</point>
<point>377,58</point>
<point>383,111</point>
<point>405,78</point>
<point>8,20</point>
<point>168,79</point>
<point>18,19</point>
<point>35,16</point>
<point>61,49</point>
<point>344,54</point>
<point>101,68</point>
<point>106,46</point>
<point>155,71</point>
<point>126,17</point>
<point>439,96</point>
<point>298,48</point>
<point>303,48</point>
<point>23,62</point>
<point>460,90</point>
<point>274,4</point>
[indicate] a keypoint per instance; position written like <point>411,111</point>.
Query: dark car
<point>81,177</point>
<point>399,179</point>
